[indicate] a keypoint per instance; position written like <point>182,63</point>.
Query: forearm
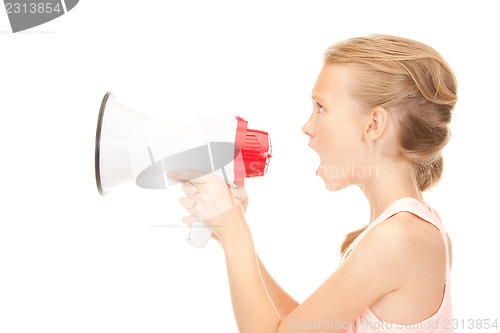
<point>282,301</point>
<point>253,309</point>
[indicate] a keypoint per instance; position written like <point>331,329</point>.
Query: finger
<point>189,189</point>
<point>187,202</point>
<point>190,219</point>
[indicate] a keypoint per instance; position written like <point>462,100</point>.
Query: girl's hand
<point>209,199</point>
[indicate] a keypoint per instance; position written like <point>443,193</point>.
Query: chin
<point>334,185</point>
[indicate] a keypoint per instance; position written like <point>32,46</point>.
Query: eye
<point>320,107</point>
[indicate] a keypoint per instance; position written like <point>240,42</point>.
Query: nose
<point>308,128</point>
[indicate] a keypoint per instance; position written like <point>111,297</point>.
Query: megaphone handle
<point>199,234</point>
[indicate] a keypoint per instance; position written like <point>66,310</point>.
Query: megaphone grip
<point>199,234</point>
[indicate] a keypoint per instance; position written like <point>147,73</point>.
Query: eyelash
<point>321,108</point>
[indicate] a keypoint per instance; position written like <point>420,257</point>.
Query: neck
<point>391,182</point>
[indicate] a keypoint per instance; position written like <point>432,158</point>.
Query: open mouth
<point>317,155</point>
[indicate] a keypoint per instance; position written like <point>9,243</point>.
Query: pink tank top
<point>442,319</point>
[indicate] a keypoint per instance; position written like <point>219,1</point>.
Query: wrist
<point>228,224</point>
<point>237,235</point>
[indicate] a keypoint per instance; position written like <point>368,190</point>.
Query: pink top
<point>442,319</point>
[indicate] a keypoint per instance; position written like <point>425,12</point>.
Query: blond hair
<point>413,81</point>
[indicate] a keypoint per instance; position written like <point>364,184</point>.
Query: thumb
<point>240,193</point>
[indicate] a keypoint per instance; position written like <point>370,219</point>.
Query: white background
<point>73,261</point>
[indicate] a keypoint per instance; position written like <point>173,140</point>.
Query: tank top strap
<point>413,206</point>
<point>408,204</point>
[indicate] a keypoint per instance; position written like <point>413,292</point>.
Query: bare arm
<point>283,302</point>
<point>383,257</point>
<point>340,299</point>
<point>253,308</point>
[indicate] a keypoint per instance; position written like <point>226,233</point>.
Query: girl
<point>381,104</point>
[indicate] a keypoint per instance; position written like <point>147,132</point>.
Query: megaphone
<point>132,146</point>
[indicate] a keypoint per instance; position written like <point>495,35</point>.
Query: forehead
<point>332,82</point>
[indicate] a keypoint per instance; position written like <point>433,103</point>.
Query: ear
<point>376,123</point>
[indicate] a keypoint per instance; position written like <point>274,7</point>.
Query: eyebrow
<point>317,98</point>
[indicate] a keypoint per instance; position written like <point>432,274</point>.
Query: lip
<point>317,171</point>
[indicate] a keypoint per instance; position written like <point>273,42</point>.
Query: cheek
<point>337,144</point>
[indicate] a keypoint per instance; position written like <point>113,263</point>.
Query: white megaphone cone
<point>130,145</point>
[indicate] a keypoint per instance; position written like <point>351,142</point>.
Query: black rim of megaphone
<point>98,143</point>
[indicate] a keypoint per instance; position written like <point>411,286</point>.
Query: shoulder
<point>399,245</point>
<point>407,233</point>
<point>396,234</point>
